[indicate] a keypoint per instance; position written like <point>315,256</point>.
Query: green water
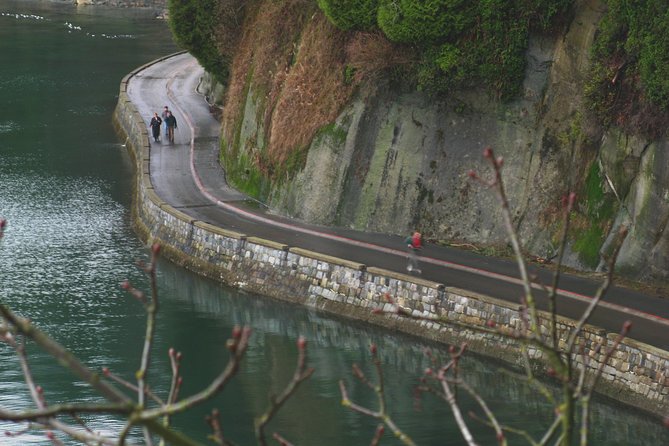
<point>65,188</point>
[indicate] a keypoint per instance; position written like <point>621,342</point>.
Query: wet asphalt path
<point>186,174</point>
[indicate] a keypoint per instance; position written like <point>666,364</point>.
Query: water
<point>65,188</point>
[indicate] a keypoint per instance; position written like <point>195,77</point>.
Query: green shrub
<point>492,54</point>
<point>350,14</point>
<point>588,245</point>
<point>654,63</point>
<point>599,210</point>
<point>543,15</point>
<point>349,74</point>
<point>244,176</point>
<point>633,36</point>
<point>193,24</point>
<point>443,68</point>
<point>461,43</point>
<point>419,22</point>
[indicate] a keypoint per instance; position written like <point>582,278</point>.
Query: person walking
<point>164,116</point>
<point>155,124</point>
<point>414,245</point>
<point>171,123</point>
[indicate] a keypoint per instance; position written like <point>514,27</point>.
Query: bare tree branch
<point>300,375</point>
<point>380,414</point>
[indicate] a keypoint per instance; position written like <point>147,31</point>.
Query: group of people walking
<point>170,124</point>
<point>414,242</point>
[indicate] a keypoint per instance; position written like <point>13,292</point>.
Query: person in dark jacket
<point>163,115</point>
<point>171,123</point>
<point>155,126</point>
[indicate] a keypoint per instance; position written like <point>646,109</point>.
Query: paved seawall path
<point>183,201</point>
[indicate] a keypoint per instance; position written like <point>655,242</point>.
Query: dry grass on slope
<point>372,55</point>
<point>313,92</point>
<point>295,60</point>
<point>263,52</point>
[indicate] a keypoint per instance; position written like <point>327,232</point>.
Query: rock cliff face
<point>395,160</point>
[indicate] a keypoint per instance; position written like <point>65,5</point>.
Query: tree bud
<point>487,152</point>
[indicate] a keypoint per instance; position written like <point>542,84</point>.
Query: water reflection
<point>335,345</point>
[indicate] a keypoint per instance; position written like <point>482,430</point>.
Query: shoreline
<point>636,375</point>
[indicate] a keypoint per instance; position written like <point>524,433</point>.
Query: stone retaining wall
<point>637,374</point>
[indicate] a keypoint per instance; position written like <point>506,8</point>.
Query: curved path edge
<point>638,374</point>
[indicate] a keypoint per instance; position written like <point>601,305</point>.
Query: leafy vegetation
<point>422,22</point>
<point>350,14</point>
<point>245,176</point>
<point>195,25</point>
<point>598,211</point>
<point>461,43</point>
<point>630,78</point>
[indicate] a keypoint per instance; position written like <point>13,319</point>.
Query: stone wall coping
<point>326,258</point>
<point>219,231</point>
<point>648,349</point>
<point>146,182</point>
<point>177,213</point>
<point>153,197</point>
<point>405,278</point>
<point>482,297</point>
<point>267,243</point>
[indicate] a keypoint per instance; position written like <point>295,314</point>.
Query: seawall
<point>636,374</point>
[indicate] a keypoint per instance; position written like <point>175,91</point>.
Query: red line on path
<point>371,246</point>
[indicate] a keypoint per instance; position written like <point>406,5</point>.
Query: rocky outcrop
<point>396,160</point>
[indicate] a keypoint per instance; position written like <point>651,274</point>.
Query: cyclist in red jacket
<point>414,245</point>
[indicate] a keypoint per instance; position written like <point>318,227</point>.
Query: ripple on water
<point>9,126</point>
<point>65,237</point>
<point>23,81</point>
<point>73,28</point>
<point>20,16</point>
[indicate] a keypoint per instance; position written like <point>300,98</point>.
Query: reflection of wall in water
<point>339,344</point>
